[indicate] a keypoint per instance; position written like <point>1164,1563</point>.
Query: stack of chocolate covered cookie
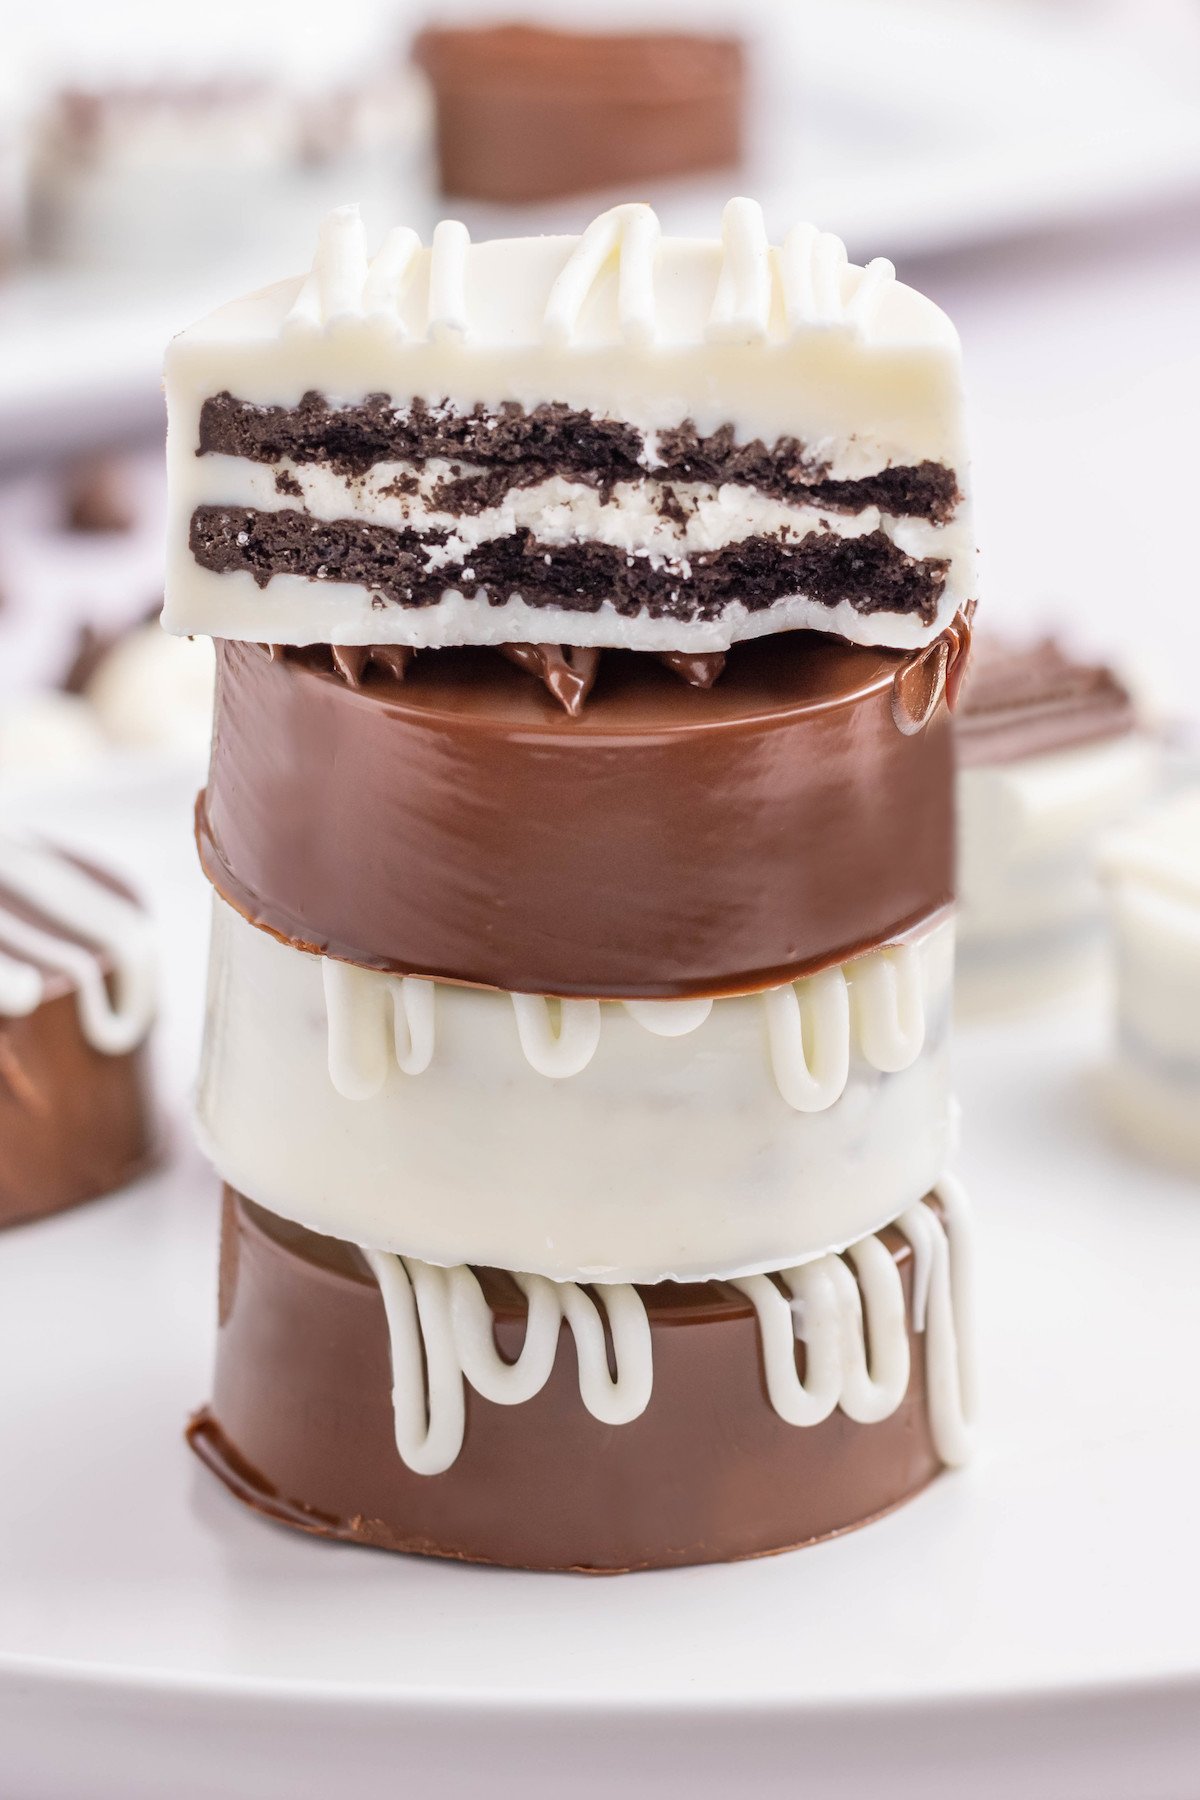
<point>580,825</point>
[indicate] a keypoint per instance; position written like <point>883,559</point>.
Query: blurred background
<point>1032,164</point>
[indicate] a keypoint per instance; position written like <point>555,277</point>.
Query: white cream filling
<point>557,512</point>
<point>577,1139</point>
<point>848,1310</point>
<point>295,609</point>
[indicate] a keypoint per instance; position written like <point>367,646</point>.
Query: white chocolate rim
<point>630,1142</point>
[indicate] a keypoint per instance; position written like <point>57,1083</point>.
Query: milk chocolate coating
<point>526,113</point>
<point>667,842</point>
<point>74,1124</point>
<point>1032,699</point>
<point>300,1428</point>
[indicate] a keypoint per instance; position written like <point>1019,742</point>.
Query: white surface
<point>1026,1627</point>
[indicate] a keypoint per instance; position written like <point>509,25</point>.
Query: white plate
<point>1028,1626</point>
<point>905,128</point>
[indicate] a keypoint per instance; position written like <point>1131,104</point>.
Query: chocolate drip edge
<point>569,671</point>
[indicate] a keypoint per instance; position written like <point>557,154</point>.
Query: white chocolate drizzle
<point>848,1310</point>
<point>874,1004</point>
<point>442,1334</point>
<point>335,286</point>
<point>813,269</point>
<point>668,1018</point>
<point>373,1019</point>
<point>383,289</point>
<point>741,308</point>
<point>944,1311</point>
<point>631,234</point>
<point>567,1051</point>
<point>887,1006</point>
<point>448,280</point>
<point>71,900</point>
<point>810,1078</point>
<point>808,284</point>
<point>831,1313</point>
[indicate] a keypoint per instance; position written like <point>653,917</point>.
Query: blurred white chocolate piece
<point>1152,880</point>
<point>1051,758</point>
<point>154,692</point>
<point>48,732</point>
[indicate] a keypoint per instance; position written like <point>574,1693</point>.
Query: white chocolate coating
<point>578,1139</point>
<point>72,906</point>
<point>1152,880</point>
<point>621,322</point>
<point>1028,838</point>
<point>848,1310</point>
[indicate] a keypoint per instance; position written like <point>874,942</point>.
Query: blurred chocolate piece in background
<point>77,999</point>
<point>98,495</point>
<point>527,113</point>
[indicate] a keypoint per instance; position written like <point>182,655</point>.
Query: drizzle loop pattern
<point>72,901</point>
<point>875,1003</point>
<point>371,1019</point>
<point>847,1310</point>
<point>442,1334</point>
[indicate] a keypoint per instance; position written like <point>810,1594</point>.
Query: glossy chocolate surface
<point>300,1427</point>
<point>526,113</point>
<point>74,1124</point>
<point>668,841</point>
